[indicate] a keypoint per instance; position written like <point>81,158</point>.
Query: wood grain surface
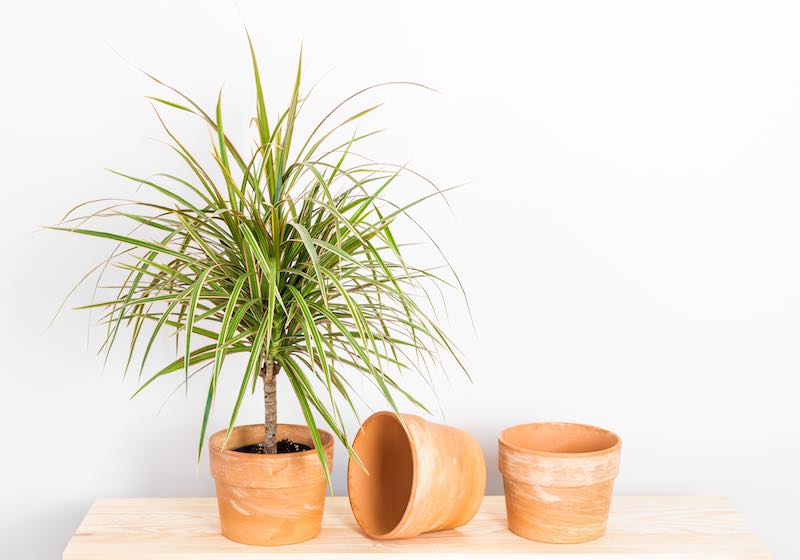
<point>653,527</point>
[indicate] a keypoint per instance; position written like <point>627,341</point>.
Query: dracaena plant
<point>283,252</point>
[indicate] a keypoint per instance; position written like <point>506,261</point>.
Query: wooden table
<point>652,527</point>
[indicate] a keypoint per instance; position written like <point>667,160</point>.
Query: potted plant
<point>282,252</point>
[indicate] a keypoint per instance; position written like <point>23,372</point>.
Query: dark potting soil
<point>284,446</point>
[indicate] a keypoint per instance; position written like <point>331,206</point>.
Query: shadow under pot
<point>558,480</point>
<point>422,477</point>
<point>269,499</point>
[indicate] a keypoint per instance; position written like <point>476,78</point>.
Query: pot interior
<point>380,499</point>
<point>553,437</point>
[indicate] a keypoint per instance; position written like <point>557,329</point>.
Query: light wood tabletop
<point>640,527</point>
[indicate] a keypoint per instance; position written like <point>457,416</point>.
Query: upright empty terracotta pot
<point>424,477</point>
<point>269,499</point>
<point>558,480</point>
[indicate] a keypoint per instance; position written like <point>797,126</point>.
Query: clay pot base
<point>557,515</point>
<point>558,480</point>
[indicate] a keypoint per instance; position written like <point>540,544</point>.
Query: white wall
<point>629,235</point>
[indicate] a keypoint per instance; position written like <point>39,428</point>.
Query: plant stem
<point>269,374</point>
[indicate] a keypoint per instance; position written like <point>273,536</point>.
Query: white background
<point>629,235</point>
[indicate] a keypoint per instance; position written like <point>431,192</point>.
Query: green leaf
<point>312,426</point>
<point>256,355</point>
<point>128,240</point>
<point>195,296</point>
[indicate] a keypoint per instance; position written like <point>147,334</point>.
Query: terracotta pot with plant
<point>284,253</point>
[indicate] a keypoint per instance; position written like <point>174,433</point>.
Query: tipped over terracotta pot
<point>269,499</point>
<point>558,480</point>
<point>424,477</point>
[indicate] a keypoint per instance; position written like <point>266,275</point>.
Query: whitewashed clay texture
<point>422,476</point>
<point>558,479</point>
<point>269,499</point>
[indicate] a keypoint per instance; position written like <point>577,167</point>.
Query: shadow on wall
<point>487,437</point>
<point>43,533</point>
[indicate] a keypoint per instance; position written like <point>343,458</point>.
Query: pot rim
<point>561,454</point>
<point>402,419</point>
<point>216,445</point>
